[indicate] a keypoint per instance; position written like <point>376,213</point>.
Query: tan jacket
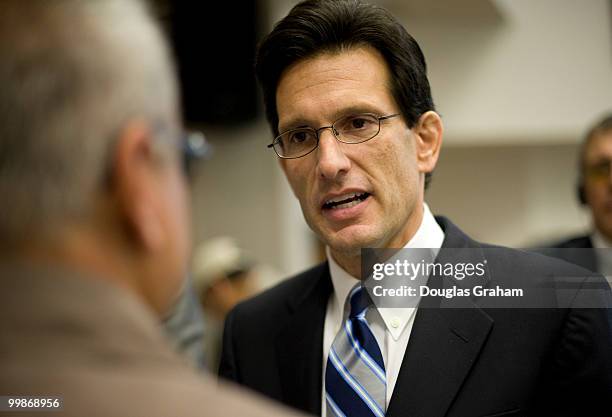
<point>101,350</point>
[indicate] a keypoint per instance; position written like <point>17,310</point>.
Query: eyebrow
<point>601,160</point>
<point>299,123</point>
<point>294,124</point>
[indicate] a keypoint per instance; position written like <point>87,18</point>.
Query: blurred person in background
<point>594,191</point>
<point>355,129</point>
<point>184,326</point>
<point>94,224</point>
<point>223,276</point>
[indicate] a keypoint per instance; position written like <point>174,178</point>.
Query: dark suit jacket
<point>575,242</point>
<point>577,250</point>
<point>459,361</point>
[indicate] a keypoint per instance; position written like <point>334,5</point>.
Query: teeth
<point>345,201</point>
<point>342,197</point>
<point>347,205</point>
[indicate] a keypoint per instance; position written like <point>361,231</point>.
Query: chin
<point>351,243</point>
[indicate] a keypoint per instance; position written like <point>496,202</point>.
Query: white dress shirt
<point>393,326</point>
<point>603,257</point>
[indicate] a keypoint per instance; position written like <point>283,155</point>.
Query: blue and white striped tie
<point>355,380</point>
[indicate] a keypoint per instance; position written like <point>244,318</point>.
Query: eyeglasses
<point>194,147</point>
<point>356,128</point>
<point>599,171</point>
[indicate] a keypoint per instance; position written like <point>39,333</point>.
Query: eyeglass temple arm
<point>388,117</point>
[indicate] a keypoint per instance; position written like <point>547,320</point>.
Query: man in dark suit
<point>594,192</point>
<point>348,100</point>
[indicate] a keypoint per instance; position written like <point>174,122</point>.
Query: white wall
<point>541,73</point>
<point>241,192</point>
<point>233,192</point>
<point>510,195</point>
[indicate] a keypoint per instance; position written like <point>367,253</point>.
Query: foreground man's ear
<point>429,131</point>
<point>134,185</point>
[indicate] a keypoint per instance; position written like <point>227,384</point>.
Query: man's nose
<point>332,161</point>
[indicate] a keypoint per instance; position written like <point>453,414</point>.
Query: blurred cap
<point>215,259</point>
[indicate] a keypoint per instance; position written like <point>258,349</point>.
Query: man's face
<point>598,181</point>
<point>382,173</point>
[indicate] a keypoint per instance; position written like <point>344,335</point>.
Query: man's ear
<point>134,182</point>
<point>429,131</point>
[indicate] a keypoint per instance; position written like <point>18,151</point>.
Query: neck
<point>351,264</point>
<point>82,252</point>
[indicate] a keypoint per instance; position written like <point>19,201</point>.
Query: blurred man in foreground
<point>94,223</point>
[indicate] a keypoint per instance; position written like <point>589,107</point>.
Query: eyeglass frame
<point>599,171</point>
<point>334,133</point>
<point>194,147</point>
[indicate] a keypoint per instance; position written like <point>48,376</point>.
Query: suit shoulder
<point>535,272</point>
<point>531,262</point>
<point>573,242</point>
<point>275,300</point>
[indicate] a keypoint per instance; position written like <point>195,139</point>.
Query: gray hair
<point>72,73</point>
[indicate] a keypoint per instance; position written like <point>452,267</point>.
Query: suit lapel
<point>446,339</point>
<point>300,345</point>
<point>443,346</point>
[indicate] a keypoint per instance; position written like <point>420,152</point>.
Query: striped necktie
<point>355,380</point>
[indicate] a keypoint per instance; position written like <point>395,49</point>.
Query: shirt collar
<point>428,235</point>
<point>603,254</point>
<point>599,241</point>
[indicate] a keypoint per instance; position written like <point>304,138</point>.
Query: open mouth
<point>345,201</point>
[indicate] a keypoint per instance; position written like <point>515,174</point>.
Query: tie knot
<point>359,301</point>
